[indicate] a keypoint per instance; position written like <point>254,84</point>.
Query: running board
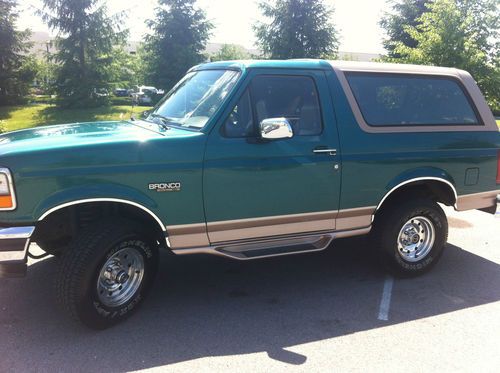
<point>265,248</point>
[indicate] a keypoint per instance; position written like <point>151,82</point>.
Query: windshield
<point>193,101</point>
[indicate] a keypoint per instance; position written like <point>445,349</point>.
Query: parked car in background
<point>143,95</point>
<point>100,92</point>
<point>121,92</point>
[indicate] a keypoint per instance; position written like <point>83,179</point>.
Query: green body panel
<point>373,163</point>
<point>226,179</point>
<point>247,179</point>
<point>59,164</point>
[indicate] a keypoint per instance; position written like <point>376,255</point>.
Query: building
<point>43,43</point>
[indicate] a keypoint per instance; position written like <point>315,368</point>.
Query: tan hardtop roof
<point>392,68</point>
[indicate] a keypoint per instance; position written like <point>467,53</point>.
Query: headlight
<point>7,198</point>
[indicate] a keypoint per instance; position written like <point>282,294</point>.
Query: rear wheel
<point>411,236</point>
<point>106,273</point>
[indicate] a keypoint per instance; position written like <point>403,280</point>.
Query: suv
<point>249,160</point>
<point>142,95</point>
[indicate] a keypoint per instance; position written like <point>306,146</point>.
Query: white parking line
<point>385,302</point>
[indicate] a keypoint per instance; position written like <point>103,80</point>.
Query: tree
<point>87,36</point>
<point>180,32</point>
<point>404,13</point>
<point>13,48</point>
<point>462,34</point>
<point>127,69</point>
<point>297,29</point>
<point>230,52</point>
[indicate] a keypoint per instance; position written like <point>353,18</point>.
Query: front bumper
<point>14,243</point>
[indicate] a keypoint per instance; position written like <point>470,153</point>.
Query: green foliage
<point>14,73</point>
<point>404,13</point>
<point>180,33</point>
<point>86,42</point>
<point>46,74</point>
<point>297,29</point>
<point>462,34</point>
<point>126,69</point>
<point>229,52</point>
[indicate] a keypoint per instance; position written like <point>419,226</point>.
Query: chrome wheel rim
<point>416,238</point>
<point>120,277</point>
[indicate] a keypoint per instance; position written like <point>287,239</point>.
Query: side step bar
<point>265,248</point>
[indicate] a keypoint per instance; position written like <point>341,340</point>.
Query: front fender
<point>104,192</point>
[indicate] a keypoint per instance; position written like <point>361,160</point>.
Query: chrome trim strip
<point>418,179</point>
<point>14,256</point>
<point>328,151</point>
<point>7,173</point>
<point>16,232</point>
<point>80,201</point>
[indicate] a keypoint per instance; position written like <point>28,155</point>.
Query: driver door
<point>256,188</point>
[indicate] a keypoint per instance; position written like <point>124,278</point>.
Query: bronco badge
<point>173,186</point>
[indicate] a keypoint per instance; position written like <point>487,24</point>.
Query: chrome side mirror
<point>275,128</point>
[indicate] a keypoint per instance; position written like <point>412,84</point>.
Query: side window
<point>411,100</point>
<point>292,97</point>
<point>240,121</point>
<point>273,96</point>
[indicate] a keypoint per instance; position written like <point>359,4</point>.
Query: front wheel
<point>411,236</point>
<point>106,273</point>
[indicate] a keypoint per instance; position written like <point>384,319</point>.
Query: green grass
<point>498,122</point>
<point>18,117</point>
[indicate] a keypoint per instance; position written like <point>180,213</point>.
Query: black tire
<point>80,270</point>
<point>386,232</point>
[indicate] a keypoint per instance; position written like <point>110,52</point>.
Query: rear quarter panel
<point>373,163</point>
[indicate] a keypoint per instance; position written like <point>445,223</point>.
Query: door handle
<point>325,150</point>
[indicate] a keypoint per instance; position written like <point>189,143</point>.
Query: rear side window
<point>403,100</point>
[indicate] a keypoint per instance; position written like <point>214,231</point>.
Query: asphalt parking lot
<point>313,312</point>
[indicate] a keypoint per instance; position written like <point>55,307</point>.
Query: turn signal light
<point>7,201</point>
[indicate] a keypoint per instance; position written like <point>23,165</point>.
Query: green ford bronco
<point>249,160</point>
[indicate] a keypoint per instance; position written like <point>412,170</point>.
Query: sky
<point>357,20</point>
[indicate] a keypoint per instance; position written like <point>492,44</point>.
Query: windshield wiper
<point>163,120</point>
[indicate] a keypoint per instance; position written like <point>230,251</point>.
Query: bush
<point>8,100</point>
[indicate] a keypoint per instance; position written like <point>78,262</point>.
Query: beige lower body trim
<point>195,235</point>
<point>477,200</point>
<point>231,230</point>
<point>354,218</point>
<point>187,235</point>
